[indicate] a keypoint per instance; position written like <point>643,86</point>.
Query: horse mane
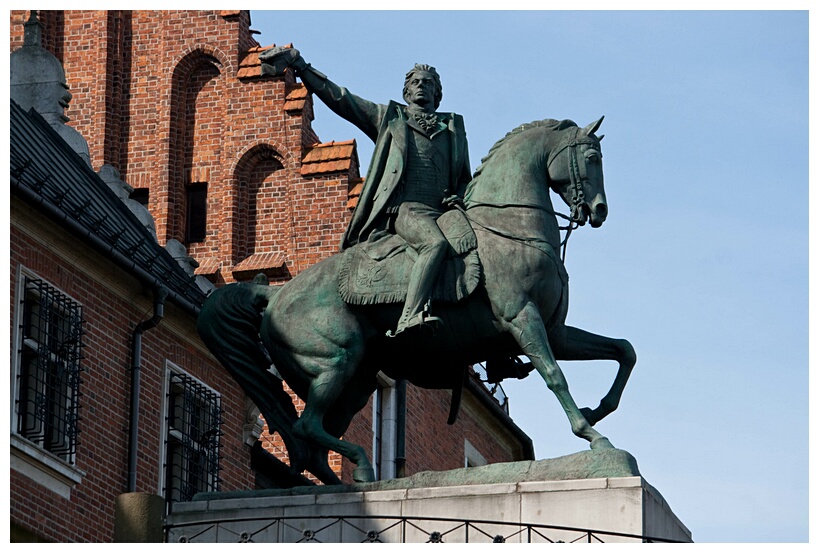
<point>549,124</point>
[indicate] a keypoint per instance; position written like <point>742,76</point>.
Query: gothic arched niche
<point>263,215</point>
<point>197,115</point>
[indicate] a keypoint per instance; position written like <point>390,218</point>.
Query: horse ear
<point>592,127</point>
<point>601,137</point>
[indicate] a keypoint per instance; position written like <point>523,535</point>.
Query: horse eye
<point>592,156</point>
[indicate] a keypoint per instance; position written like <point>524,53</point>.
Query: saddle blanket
<point>378,270</point>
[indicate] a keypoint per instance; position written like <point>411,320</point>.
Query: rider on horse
<point>420,168</point>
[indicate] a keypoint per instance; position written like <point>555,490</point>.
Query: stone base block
<point>531,501</point>
<point>138,518</point>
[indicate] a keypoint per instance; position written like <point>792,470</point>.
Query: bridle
<point>577,175</point>
<point>578,178</point>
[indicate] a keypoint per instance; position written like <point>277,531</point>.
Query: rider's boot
<point>423,321</point>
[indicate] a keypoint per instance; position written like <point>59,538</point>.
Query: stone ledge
<point>563,485</point>
<point>43,467</point>
<point>610,500</point>
<point>338,498</point>
<point>458,491</point>
<point>585,465</point>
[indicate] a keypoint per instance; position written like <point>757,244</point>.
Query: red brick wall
<point>432,444</point>
<point>113,303</point>
<point>163,86</point>
<point>427,413</point>
<point>157,96</point>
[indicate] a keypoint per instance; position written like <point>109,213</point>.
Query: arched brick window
<point>263,220</point>
<point>197,116</point>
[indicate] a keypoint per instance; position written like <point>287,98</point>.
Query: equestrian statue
<point>439,270</point>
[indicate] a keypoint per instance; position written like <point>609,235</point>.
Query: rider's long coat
<point>387,126</point>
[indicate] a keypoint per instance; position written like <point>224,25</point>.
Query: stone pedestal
<point>554,500</point>
<point>138,518</point>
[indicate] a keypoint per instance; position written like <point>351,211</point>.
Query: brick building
<point>176,167</point>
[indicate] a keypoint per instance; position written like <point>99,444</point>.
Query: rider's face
<point>421,90</point>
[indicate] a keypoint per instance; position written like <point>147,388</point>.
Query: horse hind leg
<point>574,344</point>
<point>325,390</point>
<point>337,420</point>
<point>319,466</point>
<point>356,395</point>
<point>528,329</point>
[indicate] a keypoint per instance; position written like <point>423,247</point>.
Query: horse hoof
<point>601,443</point>
<point>364,474</point>
<point>588,414</point>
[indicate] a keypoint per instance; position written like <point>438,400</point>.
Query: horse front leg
<point>574,344</point>
<point>528,330</point>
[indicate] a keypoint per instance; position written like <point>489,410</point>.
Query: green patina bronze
<point>329,347</point>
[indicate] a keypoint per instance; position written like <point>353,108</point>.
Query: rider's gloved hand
<point>276,60</point>
<point>453,201</point>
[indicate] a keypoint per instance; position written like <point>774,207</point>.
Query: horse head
<point>575,172</point>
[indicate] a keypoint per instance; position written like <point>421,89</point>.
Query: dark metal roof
<point>46,172</point>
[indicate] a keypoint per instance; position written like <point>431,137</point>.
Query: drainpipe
<point>401,430</point>
<point>160,295</point>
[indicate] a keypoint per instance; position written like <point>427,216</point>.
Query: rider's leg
<point>416,224</point>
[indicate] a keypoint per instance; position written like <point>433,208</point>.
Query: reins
<point>578,179</point>
<point>562,246</point>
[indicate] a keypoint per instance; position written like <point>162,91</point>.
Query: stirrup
<point>430,323</point>
<point>424,322</point>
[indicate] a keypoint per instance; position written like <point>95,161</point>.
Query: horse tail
<point>229,325</point>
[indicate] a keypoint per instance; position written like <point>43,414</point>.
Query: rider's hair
<point>428,69</point>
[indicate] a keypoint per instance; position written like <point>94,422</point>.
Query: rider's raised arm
<point>362,113</point>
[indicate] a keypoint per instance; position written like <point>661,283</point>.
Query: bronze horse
<point>329,352</point>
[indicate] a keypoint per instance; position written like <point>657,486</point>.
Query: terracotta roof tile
<point>250,66</point>
<point>260,263</point>
<point>356,190</point>
<point>209,266</point>
<point>299,92</point>
<point>330,157</point>
<point>354,194</point>
<point>296,98</point>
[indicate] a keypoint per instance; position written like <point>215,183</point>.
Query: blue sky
<point>703,261</point>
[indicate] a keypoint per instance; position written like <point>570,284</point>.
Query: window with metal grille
<point>197,216</point>
<point>48,381</point>
<point>194,420</point>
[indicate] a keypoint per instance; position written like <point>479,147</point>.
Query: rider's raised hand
<point>277,59</point>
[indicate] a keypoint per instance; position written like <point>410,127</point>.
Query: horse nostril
<point>601,210</point>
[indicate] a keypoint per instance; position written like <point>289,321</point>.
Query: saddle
<point>378,270</point>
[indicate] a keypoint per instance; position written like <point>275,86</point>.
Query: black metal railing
<point>387,529</point>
